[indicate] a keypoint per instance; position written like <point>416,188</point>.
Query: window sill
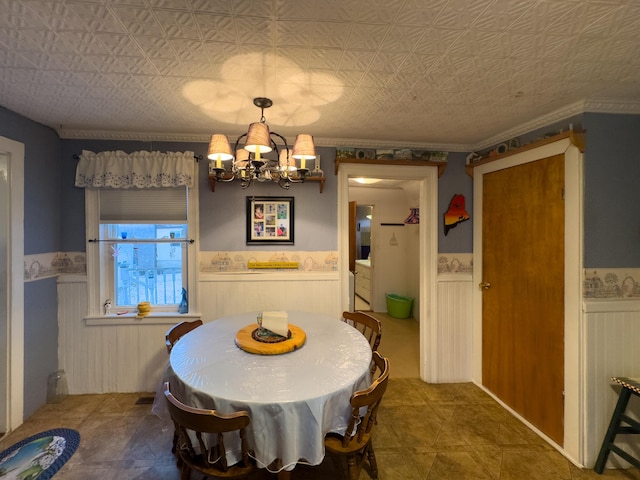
<point>157,318</point>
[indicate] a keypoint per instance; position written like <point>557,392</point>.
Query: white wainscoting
<point>115,354</point>
<point>228,293</point>
<point>118,354</point>
<point>611,349</point>
<point>454,328</point>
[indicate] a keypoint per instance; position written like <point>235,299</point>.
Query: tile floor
<point>401,344</point>
<point>427,432</point>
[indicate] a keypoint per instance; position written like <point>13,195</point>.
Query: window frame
<point>99,274</point>
<point>109,268</point>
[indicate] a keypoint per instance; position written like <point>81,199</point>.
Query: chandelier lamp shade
<point>219,149</point>
<point>260,155</point>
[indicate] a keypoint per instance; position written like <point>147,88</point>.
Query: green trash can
<point>399,306</point>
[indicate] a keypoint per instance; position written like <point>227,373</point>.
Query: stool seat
<point>620,423</point>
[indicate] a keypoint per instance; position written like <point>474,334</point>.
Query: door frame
<point>574,400</point>
<point>427,176</point>
<point>14,400</point>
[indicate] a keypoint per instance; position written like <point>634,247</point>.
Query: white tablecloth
<point>294,399</point>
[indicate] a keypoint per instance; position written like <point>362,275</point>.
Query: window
<point>147,263</point>
<point>140,248</point>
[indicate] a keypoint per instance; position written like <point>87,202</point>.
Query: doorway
<point>362,262</point>
<point>426,180</point>
<point>523,296</point>
<point>5,215</point>
<point>11,284</point>
<point>364,217</point>
<point>572,444</point>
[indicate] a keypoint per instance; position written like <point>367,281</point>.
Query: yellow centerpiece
<point>256,339</point>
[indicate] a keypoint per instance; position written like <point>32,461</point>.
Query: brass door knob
<point>485,285</point>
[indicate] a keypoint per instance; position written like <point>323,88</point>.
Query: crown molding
<point>595,105</point>
<point>605,105</point>
<point>77,134</point>
<point>555,116</point>
<point>359,143</point>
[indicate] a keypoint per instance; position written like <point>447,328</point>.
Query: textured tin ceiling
<point>453,74</point>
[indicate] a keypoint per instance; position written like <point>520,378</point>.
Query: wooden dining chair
<point>356,444</point>
<point>172,336</point>
<point>209,455</point>
<point>178,330</point>
<point>367,324</point>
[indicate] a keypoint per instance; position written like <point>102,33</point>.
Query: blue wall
<point>40,340</point>
<point>223,212</point>
<point>54,212</point>
<point>42,212</point>
<point>612,191</point>
<point>73,234</point>
<point>455,181</point>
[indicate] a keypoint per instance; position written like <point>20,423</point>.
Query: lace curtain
<point>135,170</point>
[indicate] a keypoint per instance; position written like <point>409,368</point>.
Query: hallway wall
<point>394,248</point>
<point>42,225</point>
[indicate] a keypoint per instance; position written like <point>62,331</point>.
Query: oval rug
<point>39,456</point>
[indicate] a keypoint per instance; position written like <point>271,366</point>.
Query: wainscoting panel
<point>454,322</point>
<point>121,354</point>
<point>227,294</point>
<point>111,356</point>
<point>73,355</point>
<point>611,349</point>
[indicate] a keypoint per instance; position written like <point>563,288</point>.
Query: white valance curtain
<point>135,170</point>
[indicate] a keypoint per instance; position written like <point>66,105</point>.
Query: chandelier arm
<point>275,148</point>
<point>298,179</point>
<point>235,147</point>
<point>284,140</point>
<point>283,183</point>
<point>270,163</point>
<point>220,176</point>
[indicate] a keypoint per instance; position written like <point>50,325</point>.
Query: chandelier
<point>265,156</point>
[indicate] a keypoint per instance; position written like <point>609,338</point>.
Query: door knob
<point>485,285</point>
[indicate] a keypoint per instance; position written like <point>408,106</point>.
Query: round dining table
<point>294,399</point>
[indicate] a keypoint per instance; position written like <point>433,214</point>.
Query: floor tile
<point>424,432</point>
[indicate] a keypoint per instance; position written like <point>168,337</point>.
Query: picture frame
<point>270,220</point>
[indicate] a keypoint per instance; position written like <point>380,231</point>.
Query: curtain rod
<point>197,157</point>
<point>142,240</point>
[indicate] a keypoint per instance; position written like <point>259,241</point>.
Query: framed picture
<point>270,220</point>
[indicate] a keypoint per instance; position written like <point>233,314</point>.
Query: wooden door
<point>523,308</point>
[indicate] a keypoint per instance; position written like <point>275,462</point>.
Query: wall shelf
<point>319,180</point>
<point>577,139</point>
<point>405,163</point>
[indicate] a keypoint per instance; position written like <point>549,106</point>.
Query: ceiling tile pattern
<point>440,73</point>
